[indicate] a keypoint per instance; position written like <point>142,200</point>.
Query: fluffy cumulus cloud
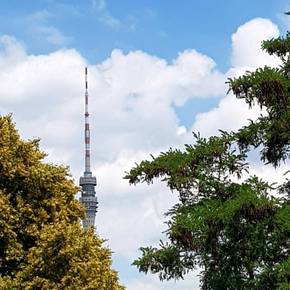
<point>246,43</point>
<point>247,55</point>
<point>132,101</point>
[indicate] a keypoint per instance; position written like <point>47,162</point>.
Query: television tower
<point>87,181</point>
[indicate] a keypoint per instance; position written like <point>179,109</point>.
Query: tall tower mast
<point>87,127</point>
<point>87,181</point>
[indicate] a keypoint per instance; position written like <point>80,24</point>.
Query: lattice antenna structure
<point>87,181</point>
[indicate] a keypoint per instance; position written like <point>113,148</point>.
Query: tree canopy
<point>237,230</point>
<point>42,244</point>
<point>270,89</point>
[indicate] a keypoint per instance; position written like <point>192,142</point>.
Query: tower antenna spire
<point>87,181</point>
<point>87,128</point>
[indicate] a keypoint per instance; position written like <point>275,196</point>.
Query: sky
<point>157,72</point>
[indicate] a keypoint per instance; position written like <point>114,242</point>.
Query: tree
<point>270,89</point>
<point>42,245</point>
<point>236,231</point>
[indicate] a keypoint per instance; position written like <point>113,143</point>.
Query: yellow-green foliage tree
<point>42,245</point>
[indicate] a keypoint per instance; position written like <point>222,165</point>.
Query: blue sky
<point>161,28</point>
<point>157,71</point>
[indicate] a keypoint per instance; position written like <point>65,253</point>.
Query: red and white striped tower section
<point>87,181</point>
<point>87,127</point>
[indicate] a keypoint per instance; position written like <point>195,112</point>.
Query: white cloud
<point>246,43</point>
<point>11,52</point>
<point>132,99</point>
<point>135,93</point>
<point>137,212</point>
<point>152,283</point>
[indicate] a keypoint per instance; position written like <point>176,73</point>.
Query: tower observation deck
<point>87,181</point>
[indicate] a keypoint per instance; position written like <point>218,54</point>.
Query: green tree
<point>270,89</point>
<point>42,245</point>
<point>236,231</point>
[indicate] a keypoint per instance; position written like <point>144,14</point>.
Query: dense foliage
<point>236,230</point>
<point>42,245</point>
<point>270,89</point>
